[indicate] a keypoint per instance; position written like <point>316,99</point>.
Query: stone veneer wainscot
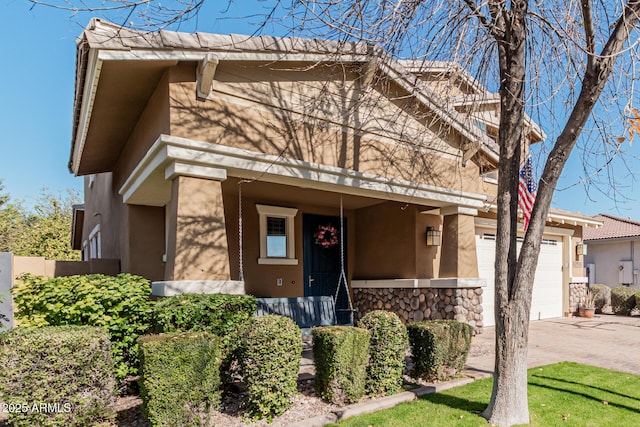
<point>422,303</point>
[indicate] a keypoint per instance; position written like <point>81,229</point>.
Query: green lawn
<point>563,394</point>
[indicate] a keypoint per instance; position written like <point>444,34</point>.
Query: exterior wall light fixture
<point>433,237</point>
<point>581,249</point>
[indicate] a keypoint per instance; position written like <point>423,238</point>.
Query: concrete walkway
<point>606,341</point>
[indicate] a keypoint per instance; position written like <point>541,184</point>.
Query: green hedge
<point>439,347</point>
<point>341,356</point>
<point>180,377</point>
<point>57,376</point>
<point>120,303</point>
<point>389,342</point>
<point>269,357</point>
<point>602,295</point>
<point>623,300</point>
<point>222,315</point>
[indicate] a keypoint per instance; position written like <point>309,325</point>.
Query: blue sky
<point>37,79</point>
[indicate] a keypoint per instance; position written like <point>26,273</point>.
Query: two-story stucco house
<point>223,163</point>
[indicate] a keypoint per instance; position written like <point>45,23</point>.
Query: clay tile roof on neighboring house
<point>613,228</point>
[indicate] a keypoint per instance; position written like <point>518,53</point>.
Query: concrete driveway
<point>606,341</point>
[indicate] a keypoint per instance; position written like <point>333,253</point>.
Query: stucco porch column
<point>458,251</point>
<point>197,238</point>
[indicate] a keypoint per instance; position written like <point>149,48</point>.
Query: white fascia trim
<point>557,217</point>
<point>195,55</point>
<point>493,224</point>
<point>269,168</point>
<point>449,282</point>
<point>177,287</point>
<point>176,169</point>
<point>155,158</point>
<point>572,220</point>
<point>94,66</point>
<point>276,210</point>
<point>458,210</point>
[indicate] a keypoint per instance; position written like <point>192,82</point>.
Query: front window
<point>277,242</point>
<point>276,237</point>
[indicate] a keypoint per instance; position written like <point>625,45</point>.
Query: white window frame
<point>289,214</point>
<point>85,250</point>
<point>95,243</point>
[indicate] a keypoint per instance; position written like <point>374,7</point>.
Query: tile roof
<point>613,228</point>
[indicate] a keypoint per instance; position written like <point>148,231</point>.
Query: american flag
<point>526,191</point>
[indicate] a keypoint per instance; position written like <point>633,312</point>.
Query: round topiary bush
<point>269,357</point>
<point>388,344</point>
<point>602,296</point>
<point>623,300</point>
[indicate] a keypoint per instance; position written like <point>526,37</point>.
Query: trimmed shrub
<point>120,303</point>
<point>57,376</point>
<point>180,377</point>
<point>623,300</point>
<point>269,357</point>
<point>389,342</point>
<point>220,314</point>
<point>439,347</point>
<point>341,355</point>
<point>602,295</point>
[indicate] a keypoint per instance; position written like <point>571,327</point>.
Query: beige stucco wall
<point>311,116</point>
<point>607,255</point>
<point>103,205</point>
<point>386,242</point>
<point>153,122</point>
<point>197,238</point>
<point>132,234</point>
<point>427,257</point>
<point>146,241</point>
<point>458,257</point>
<point>40,266</point>
<point>306,115</point>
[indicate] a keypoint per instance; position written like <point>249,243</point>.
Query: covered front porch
<point>244,222</point>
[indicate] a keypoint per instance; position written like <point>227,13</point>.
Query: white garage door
<point>547,289</point>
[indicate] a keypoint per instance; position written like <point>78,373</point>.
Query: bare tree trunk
<point>515,275</point>
<point>508,403</point>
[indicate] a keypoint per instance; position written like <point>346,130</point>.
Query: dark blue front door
<point>322,260</point>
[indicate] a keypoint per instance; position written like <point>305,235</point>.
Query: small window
<point>95,243</point>
<point>276,237</point>
<point>277,241</point>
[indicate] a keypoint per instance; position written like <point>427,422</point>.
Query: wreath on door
<point>327,236</point>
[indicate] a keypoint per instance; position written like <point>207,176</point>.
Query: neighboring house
<point>211,162</point>
<point>613,255</point>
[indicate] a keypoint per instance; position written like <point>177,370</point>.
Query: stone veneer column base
<point>577,292</point>
<point>414,305</point>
